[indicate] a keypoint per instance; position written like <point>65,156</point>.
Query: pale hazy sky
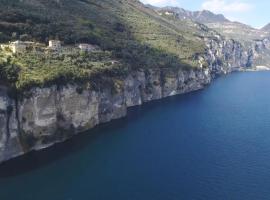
<point>255,13</point>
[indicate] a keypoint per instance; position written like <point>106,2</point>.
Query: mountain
<point>255,42</point>
<point>239,31</point>
<point>203,17</point>
<point>206,16</point>
<point>134,34</point>
<point>266,28</point>
<point>232,30</point>
<point>108,23</point>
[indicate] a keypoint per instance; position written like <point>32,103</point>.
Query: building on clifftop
<point>17,46</point>
<point>87,47</point>
<point>55,44</point>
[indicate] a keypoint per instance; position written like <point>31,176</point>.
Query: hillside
<point>266,28</point>
<point>203,16</point>
<point>135,35</point>
<point>232,30</point>
<point>239,31</point>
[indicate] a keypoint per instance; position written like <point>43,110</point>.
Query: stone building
<point>54,44</point>
<point>87,47</point>
<point>5,46</point>
<point>17,47</point>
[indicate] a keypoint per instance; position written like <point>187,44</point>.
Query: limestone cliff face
<point>225,56</point>
<point>51,115</point>
<point>10,145</point>
<point>45,116</point>
<point>261,52</point>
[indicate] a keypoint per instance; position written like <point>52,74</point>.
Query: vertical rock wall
<point>51,115</point>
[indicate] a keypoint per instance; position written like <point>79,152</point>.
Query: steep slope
<point>112,24</point>
<point>266,28</point>
<point>136,36</point>
<point>239,31</point>
<point>203,16</point>
<point>222,55</point>
<point>232,30</point>
<point>253,41</point>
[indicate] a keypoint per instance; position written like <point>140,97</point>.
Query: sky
<point>252,12</point>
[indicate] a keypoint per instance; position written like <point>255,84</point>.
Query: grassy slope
<point>135,35</point>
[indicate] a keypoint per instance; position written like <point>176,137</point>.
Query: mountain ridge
<point>203,16</point>
<point>266,27</point>
<point>231,29</point>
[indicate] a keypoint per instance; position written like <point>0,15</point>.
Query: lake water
<point>212,144</point>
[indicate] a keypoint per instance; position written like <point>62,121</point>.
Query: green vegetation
<point>124,29</point>
<point>39,68</point>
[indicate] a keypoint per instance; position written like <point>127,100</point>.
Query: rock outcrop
<point>224,56</point>
<point>10,145</point>
<point>261,52</point>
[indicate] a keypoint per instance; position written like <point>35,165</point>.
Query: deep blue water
<point>212,144</point>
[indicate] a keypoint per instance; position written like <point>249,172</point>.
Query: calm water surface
<point>212,144</point>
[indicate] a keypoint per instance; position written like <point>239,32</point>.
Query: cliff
<point>42,117</point>
<point>51,115</point>
<point>156,50</point>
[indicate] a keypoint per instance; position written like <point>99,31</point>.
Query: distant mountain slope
<point>239,31</point>
<point>266,28</point>
<point>204,16</point>
<point>232,30</point>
